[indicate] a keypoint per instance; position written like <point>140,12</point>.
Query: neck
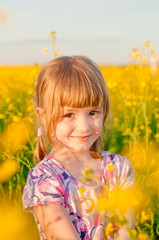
<point>62,155</point>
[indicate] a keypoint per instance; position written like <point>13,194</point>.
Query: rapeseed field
<point>132,131</point>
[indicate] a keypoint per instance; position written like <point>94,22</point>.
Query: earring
<point>40,132</point>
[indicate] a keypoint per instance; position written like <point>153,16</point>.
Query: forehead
<point>67,108</point>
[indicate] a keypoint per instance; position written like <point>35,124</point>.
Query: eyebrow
<point>76,109</point>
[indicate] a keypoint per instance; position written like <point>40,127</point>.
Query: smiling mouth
<point>82,138</point>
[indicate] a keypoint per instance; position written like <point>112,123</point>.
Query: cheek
<point>98,124</point>
<point>63,130</point>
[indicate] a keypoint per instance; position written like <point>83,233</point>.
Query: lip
<point>82,138</point>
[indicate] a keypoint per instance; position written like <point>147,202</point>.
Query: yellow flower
<point>7,169</point>
<point>144,217</point>
<point>110,167</point>
<point>126,132</point>
<point>44,50</point>
<point>15,135</point>
<point>82,190</point>
<point>137,55</point>
<point>134,103</point>
<point>20,114</point>
<point>2,116</point>
<point>149,130</point>
<point>143,236</point>
<point>156,115</point>
<point>15,119</point>
<point>134,50</point>
<point>52,32</point>
<point>151,51</point>
<point>56,54</point>
<point>144,59</point>
<point>10,106</point>
<point>145,44</point>
<point>157,99</point>
<point>121,217</point>
<point>109,229</point>
<point>128,103</point>
<point>143,84</point>
<point>155,55</point>
<point>7,100</point>
<point>157,135</point>
<point>130,54</point>
<point>142,127</point>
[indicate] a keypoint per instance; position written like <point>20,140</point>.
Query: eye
<point>68,115</point>
<point>92,113</point>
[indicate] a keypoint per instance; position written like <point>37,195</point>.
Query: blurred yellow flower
<point>157,99</point>
<point>134,103</point>
<point>155,55</point>
<point>15,135</point>
<point>157,136</point>
<point>142,84</point>
<point>15,119</point>
<point>2,116</point>
<point>144,59</point>
<point>7,100</point>
<point>142,127</point>
<point>44,50</point>
<point>128,104</point>
<point>20,114</point>
<point>130,54</point>
<point>145,44</point>
<point>149,130</point>
<point>144,217</point>
<point>151,51</point>
<point>7,169</point>
<point>116,119</point>
<point>143,236</point>
<point>137,55</point>
<point>140,155</point>
<point>156,115</point>
<point>82,190</point>
<point>52,32</point>
<point>110,167</point>
<point>109,229</point>
<point>126,132</point>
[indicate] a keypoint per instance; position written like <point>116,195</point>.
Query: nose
<point>82,124</point>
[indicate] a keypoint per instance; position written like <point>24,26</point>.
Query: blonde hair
<point>74,81</point>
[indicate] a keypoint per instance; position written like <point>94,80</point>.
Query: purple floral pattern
<point>49,182</point>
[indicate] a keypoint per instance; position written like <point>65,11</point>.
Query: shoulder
<point>44,184</point>
<point>118,169</point>
<point>45,168</point>
<point>116,159</point>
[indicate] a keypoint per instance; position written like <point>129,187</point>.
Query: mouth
<point>82,138</point>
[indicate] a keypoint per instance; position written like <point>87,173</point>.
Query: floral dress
<point>50,183</point>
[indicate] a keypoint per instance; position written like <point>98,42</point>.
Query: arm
<point>55,222</point>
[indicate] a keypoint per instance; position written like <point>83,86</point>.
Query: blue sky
<point>104,30</point>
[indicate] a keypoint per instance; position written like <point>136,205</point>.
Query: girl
<point>72,105</point>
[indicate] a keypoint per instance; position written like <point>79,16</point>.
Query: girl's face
<point>79,128</point>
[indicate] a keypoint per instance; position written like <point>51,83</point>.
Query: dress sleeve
<point>126,173</point>
<point>42,188</point>
<point>119,171</point>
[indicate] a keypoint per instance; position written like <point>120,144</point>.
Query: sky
<point>103,30</point>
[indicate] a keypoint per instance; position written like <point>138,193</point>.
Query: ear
<point>40,113</point>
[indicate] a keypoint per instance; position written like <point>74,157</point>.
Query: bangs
<point>80,89</point>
